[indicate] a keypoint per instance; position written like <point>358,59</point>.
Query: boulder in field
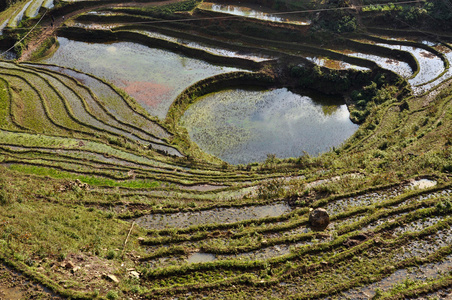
<point>319,219</point>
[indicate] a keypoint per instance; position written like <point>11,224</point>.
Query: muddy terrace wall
<point>104,36</point>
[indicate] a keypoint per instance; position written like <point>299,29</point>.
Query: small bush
<point>111,254</point>
<point>112,295</point>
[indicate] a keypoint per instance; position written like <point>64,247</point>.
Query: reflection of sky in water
<point>254,13</point>
<point>217,215</point>
<point>400,67</point>
<point>334,64</point>
<point>242,126</point>
<point>448,53</point>
<point>430,65</point>
<point>153,77</point>
<point>205,47</point>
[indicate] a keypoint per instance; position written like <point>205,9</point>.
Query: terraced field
<point>105,194</point>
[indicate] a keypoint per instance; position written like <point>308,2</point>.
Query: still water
<point>256,12</point>
<point>154,77</point>
<point>242,126</point>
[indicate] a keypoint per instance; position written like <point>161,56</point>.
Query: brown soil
<point>14,286</point>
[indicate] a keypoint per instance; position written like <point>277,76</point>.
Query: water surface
<point>242,126</point>
<point>217,215</point>
<point>256,12</point>
<point>152,76</point>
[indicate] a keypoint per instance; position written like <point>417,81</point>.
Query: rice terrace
<point>254,149</point>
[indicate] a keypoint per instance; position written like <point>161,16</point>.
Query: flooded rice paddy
<point>219,215</point>
<point>242,126</point>
<point>431,66</point>
<point>208,48</point>
<point>256,12</point>
<point>152,76</point>
<point>425,272</point>
<point>401,68</point>
<point>448,54</point>
<point>200,257</point>
<point>334,64</point>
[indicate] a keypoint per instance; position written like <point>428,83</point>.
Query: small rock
<point>319,218</point>
<point>141,239</point>
<point>69,265</point>
<point>135,274</point>
<point>112,278</point>
<point>75,270</point>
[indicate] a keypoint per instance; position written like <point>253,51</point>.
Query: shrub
<point>112,295</point>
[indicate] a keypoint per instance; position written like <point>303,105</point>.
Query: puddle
<point>200,257</point>
<point>11,293</point>
<point>14,285</point>
<point>275,121</point>
<point>422,184</point>
<point>334,64</point>
<point>219,215</point>
<point>152,76</point>
<point>255,12</point>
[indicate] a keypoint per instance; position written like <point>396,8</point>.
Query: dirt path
<point>49,29</point>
